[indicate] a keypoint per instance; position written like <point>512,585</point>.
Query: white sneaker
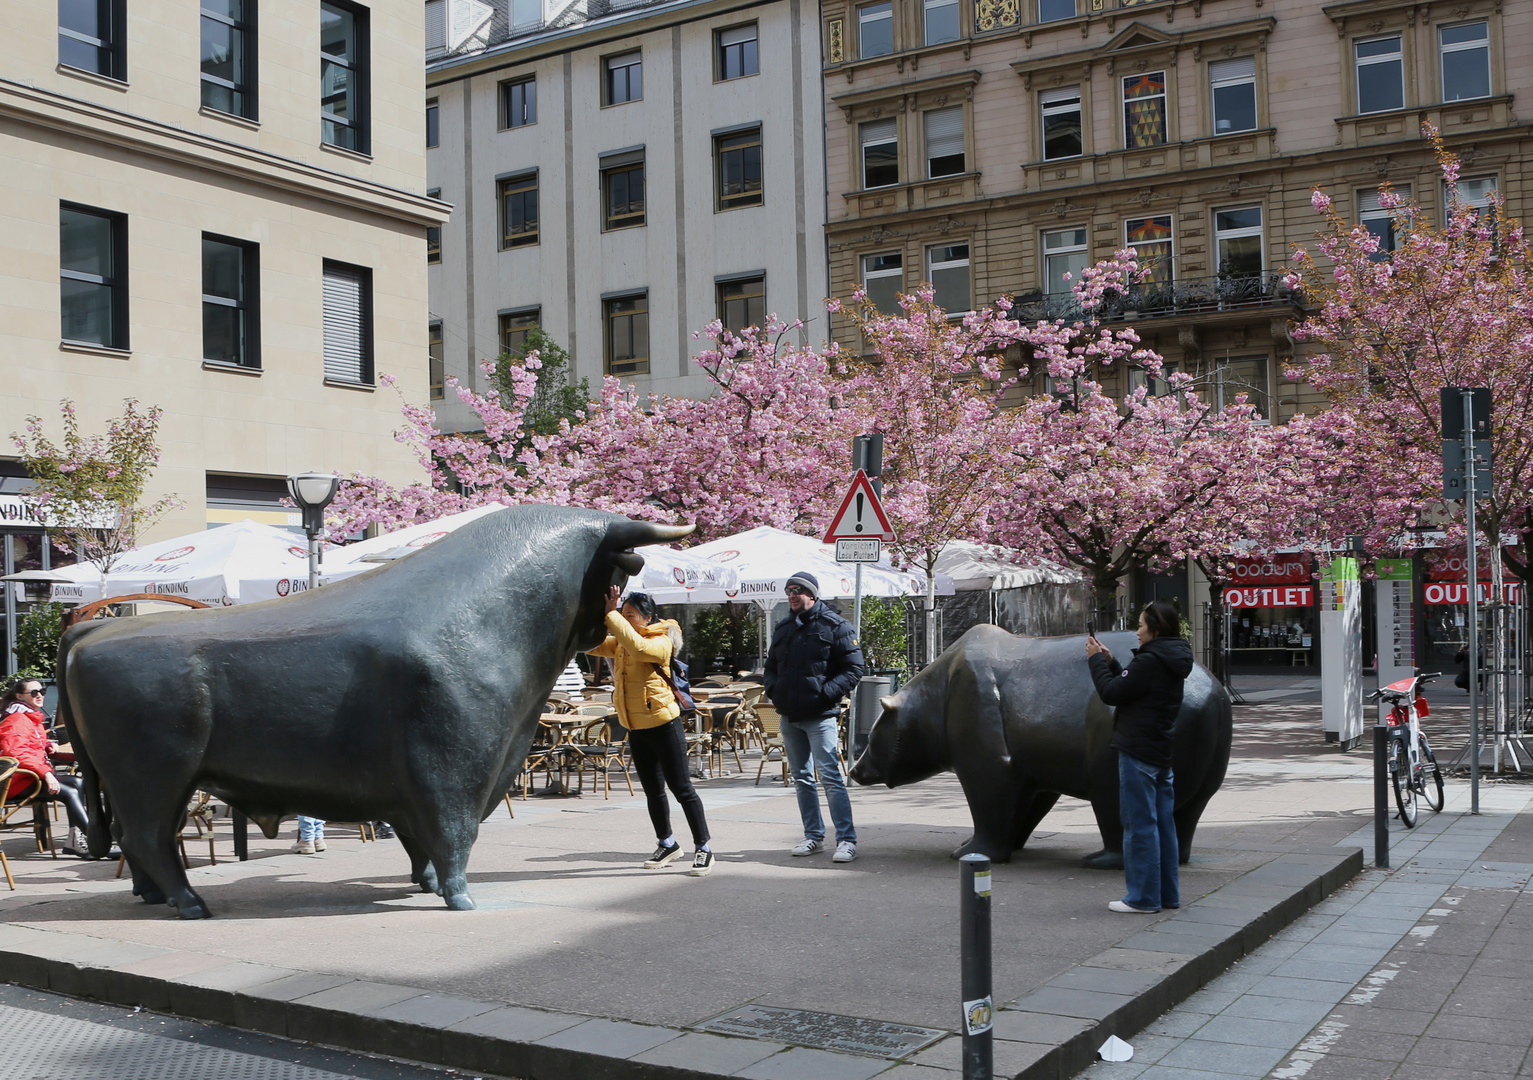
<point>303,847</point>
<point>807,846</point>
<point>846,851</point>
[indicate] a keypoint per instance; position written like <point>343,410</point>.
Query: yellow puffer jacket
<point>643,699</point>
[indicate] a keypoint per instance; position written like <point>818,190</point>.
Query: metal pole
<point>1473,643</point>
<point>852,720</point>
<point>974,951</point>
<point>1381,796</point>
<point>313,561</point>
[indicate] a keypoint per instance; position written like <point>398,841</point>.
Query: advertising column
<point>1341,642</point>
<point>1394,620</point>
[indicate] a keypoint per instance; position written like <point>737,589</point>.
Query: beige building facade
<point>218,208</point>
<point>624,174</point>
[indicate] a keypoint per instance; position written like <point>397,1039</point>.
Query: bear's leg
<point>995,798</point>
<point>1032,807</point>
<point>1105,806</point>
<point>1187,818</point>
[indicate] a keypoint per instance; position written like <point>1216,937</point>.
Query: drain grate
<point>827,1031</point>
<point>41,1046</point>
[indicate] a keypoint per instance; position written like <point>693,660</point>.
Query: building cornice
<point>910,89</point>
<point>1140,40</point>
<point>1341,14</point>
<point>59,112</point>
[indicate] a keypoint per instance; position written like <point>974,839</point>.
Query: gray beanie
<point>806,581</point>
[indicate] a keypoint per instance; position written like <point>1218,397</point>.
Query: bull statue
<point>409,695</point>
<point>1019,720</point>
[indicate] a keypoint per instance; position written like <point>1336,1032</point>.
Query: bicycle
<point>1413,769</point>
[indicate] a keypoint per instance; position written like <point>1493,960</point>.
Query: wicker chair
<point>770,724</point>
<point>11,811</point>
<point>602,747</point>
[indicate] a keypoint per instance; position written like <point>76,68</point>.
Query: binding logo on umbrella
<point>172,556</point>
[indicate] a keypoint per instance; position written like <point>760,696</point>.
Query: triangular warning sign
<point>861,516</point>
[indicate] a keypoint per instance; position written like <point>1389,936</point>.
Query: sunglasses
<point>797,590</point>
<point>34,693</point>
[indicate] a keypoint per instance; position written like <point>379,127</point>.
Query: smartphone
<point>1091,629</point>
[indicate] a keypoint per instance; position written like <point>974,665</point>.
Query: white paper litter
<point>1115,1049</point>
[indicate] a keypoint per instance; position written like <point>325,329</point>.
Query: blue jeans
<point>803,739</point>
<point>1146,804</point>
<point>310,828</point>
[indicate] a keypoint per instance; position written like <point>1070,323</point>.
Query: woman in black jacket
<point>1147,696</point>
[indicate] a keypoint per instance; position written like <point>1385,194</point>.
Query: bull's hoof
<point>973,847</point>
<point>193,909</point>
<point>150,896</point>
<point>1104,860</point>
<point>427,881</point>
<point>460,902</point>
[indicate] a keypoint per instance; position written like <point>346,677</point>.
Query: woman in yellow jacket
<point>640,649</point>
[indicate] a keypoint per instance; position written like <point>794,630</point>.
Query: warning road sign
<point>861,516</point>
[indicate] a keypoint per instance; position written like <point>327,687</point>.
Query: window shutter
<point>436,25</point>
<point>346,326</point>
<point>1368,201</point>
<point>737,34</point>
<point>878,131</point>
<point>944,132</point>
<point>1224,70</point>
<point>1069,95</point>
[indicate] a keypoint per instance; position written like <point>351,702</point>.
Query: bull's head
<point>615,563</point>
<point>902,748</point>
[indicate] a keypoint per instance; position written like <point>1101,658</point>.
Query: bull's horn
<point>628,533</point>
<point>629,563</point>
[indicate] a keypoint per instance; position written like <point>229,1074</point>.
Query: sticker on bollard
<point>982,883</point>
<point>977,1016</point>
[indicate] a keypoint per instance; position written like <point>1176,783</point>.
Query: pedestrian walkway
<point>1416,972</point>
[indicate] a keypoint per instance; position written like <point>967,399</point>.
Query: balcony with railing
<point>1179,299</point>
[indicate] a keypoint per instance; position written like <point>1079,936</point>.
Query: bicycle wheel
<point>1429,775</point>
<point>1399,775</point>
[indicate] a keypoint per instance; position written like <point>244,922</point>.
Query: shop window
<point>875,30</point>
<point>624,79</point>
<point>1377,220</point>
<point>627,325</point>
<point>742,303</point>
<point>1380,73</point>
<point>1238,239</point>
<point>883,280</point>
<point>93,276</point>
<point>518,210</point>
<point>1232,84</point>
<point>91,34</point>
<point>737,52</point>
<point>343,76</point>
<point>940,19</point>
<point>622,184</point>
<point>436,362</point>
<point>515,326</point>
<point>880,153</point>
<point>228,56</point>
<point>1061,122</point>
<point>737,170</point>
<point>1243,375</point>
<point>1144,110</point>
<point>230,301</point>
<point>947,268</point>
<point>519,102</point>
<point>1064,257</point>
<point>1151,240</point>
<point>1465,61</point>
<point>944,141</point>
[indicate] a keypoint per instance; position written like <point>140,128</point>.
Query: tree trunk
<point>931,606</point>
<point>1104,597</point>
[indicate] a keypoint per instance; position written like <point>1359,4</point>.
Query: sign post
<point>859,530</point>
<point>1466,420</point>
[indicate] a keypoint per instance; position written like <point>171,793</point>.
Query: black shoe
<point>662,856</point>
<point>702,862</point>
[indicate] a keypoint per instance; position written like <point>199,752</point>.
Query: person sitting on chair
<point>24,736</point>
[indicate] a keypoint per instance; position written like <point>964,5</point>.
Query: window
<point>230,301</point>
<point>348,323</point>
<point>436,362</point>
<point>947,267</point>
<point>1061,122</point>
<point>1238,240</point>
<point>1243,375</point>
<point>1064,253</point>
<point>228,56</point>
<point>944,141</point>
<point>93,276</point>
<point>434,233</point>
<point>622,185</point>
<point>519,102</point>
<point>1477,192</point>
<point>1377,220</point>
<point>941,21</point>
<point>1465,61</point>
<point>742,303</point>
<point>875,30</point>
<point>624,78</point>
<point>737,169</point>
<point>526,14</point>
<point>883,280</point>
<point>627,319</point>
<point>1380,74</point>
<point>433,124</point>
<point>518,210</point>
<point>1151,240</point>
<point>343,76</point>
<point>737,52</point>
<point>91,36</point>
<point>1144,110</point>
<point>515,326</point>
<point>1049,10</point>
<point>1155,386</point>
<point>1233,85</point>
<point>880,153</point>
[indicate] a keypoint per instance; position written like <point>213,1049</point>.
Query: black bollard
<point>974,949</point>
<point>1381,735</point>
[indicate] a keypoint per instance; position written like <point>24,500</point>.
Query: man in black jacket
<point>813,663</point>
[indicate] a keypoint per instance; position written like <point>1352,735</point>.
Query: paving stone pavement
<point>1406,974</point>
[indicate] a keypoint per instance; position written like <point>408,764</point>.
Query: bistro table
<point>562,728</point>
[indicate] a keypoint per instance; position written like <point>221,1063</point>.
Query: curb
<point>1050,1033</point>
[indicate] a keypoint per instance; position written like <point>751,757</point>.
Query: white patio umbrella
<point>678,575</point>
<point>977,567</point>
<point>208,566</point>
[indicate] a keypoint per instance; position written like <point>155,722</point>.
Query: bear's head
<point>903,746</point>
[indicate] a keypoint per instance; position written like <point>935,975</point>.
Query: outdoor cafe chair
<point>11,812</point>
<point>602,748</point>
<point>771,739</point>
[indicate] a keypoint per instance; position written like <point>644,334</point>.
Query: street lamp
<point>312,491</point>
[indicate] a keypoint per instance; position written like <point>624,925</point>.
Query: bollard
<point>974,952</point>
<point>1381,735</point>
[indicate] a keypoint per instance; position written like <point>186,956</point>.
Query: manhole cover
<point>827,1031</point>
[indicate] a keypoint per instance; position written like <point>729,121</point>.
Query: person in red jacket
<point>24,736</point>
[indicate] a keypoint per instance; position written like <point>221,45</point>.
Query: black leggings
<point>660,759</point>
<point>69,795</point>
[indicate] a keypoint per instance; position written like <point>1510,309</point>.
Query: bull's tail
<point>99,833</point>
